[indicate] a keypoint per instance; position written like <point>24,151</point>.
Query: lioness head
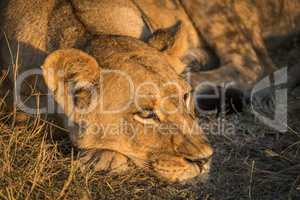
<point>126,97</point>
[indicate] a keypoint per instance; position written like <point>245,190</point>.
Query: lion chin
<point>182,170</point>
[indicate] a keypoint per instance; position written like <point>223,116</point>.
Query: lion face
<point>125,97</point>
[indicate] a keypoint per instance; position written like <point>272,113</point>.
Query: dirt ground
<point>251,161</point>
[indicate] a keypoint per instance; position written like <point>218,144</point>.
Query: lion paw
<point>104,160</point>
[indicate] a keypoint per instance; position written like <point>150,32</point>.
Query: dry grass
<point>37,162</point>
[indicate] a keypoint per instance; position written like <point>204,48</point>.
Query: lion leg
<point>233,31</point>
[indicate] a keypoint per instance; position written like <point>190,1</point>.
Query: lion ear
<point>71,75</point>
<point>173,42</point>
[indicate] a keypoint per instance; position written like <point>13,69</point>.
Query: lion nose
<point>203,154</point>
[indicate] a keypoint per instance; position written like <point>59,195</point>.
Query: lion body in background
<point>234,30</point>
